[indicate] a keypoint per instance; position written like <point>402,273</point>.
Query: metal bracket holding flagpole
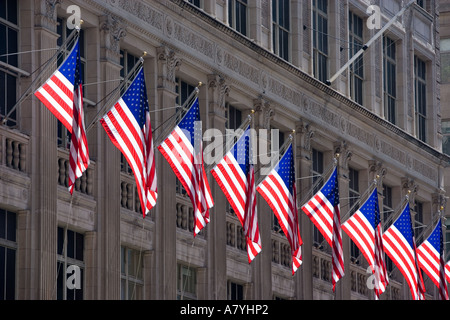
<point>29,91</point>
<point>366,46</point>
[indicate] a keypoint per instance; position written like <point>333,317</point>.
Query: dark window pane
<point>3,43</point>
<point>60,281</point>
<point>2,224</point>
<point>3,9</point>
<point>60,240</point>
<point>12,11</point>
<point>11,226</point>
<point>79,246</point>
<point>2,272</point>
<point>70,244</point>
<point>10,286</point>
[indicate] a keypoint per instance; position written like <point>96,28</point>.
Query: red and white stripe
<point>447,272</point>
<point>283,204</point>
<point>241,194</point>
<point>79,154</point>
<point>369,241</point>
<point>132,140</point>
<point>326,218</point>
<point>179,152</point>
<point>57,94</point>
<point>401,253</point>
<point>432,263</point>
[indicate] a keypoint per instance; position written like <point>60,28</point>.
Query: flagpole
<point>124,84</point>
<point>29,91</point>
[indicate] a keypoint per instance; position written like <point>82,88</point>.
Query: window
<point>237,15</point>
<point>196,3</point>
<point>64,32</point>
<point>353,194</point>
<point>186,282</point>
<point>355,25</point>
<point>320,39</point>
<point>317,171</point>
<point>235,291</point>
<point>233,116</point>
<point>9,33</point>
<point>446,136</point>
<point>8,247</point>
<point>421,3</point>
<point>70,254</point>
<point>131,282</point>
<point>420,98</point>
<point>281,27</point>
<point>389,79</point>
<point>418,220</point>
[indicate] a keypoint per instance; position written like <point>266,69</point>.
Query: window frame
<point>11,63</point>
<point>281,31</point>
<point>126,279</point>
<point>182,294</point>
<point>390,84</point>
<point>8,243</point>
<point>65,261</point>
<point>320,41</point>
<point>356,69</point>
<point>420,97</point>
<point>233,10</point>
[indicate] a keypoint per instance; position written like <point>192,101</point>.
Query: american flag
<point>128,126</point>
<point>447,271</point>
<point>235,175</point>
<point>323,210</point>
<point>430,255</point>
<point>62,94</point>
<point>279,191</point>
<point>364,228</point>
<point>399,245</point>
<point>184,152</point>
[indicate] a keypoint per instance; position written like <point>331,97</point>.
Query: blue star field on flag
<point>286,169</point>
<point>436,239</point>
<point>241,151</point>
<point>403,224</point>
<point>330,190</point>
<point>371,210</point>
<point>69,67</point>
<point>187,124</point>
<point>136,98</point>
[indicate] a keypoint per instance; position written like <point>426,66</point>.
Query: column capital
<point>218,91</point>
<point>112,30</point>
<point>168,64</point>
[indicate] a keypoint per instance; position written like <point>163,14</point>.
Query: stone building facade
<point>382,116</point>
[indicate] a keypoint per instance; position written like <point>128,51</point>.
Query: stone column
<point>218,90</point>
<point>91,282</point>
<point>343,286</point>
<point>263,262</point>
<point>304,135</point>
<point>165,215</point>
<point>44,166</point>
<point>108,168</point>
